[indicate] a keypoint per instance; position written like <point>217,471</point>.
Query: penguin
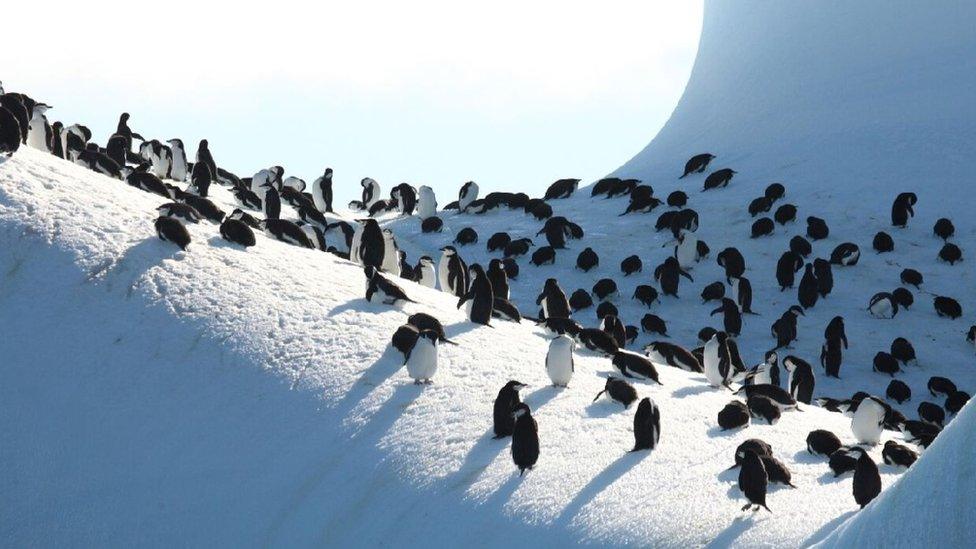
<point>941,386</point>
<point>404,339</point>
<point>618,390</point>
<point>498,278</point>
<point>785,214</point>
<point>817,228</point>
<point>950,253</point>
<point>867,480</point>
<point>651,323</point>
<point>766,372</point>
<point>406,270</point>
<point>322,192</point>
<point>372,245</point>
<point>956,401</point>
<point>511,268</point>
<point>944,228</point>
<point>840,462</point>
<point>697,164</point>
<point>763,407</point>
<point>824,275</point>
<point>822,443</point>
<point>903,351</point>
<point>634,365</point>
<point>553,300</point>
<point>733,262</point>
<point>316,236</point>
<point>677,199</point>
<point>777,395</point>
<point>14,104</point>
<point>467,195</point>
<point>312,216</point>
<point>621,187</point>
<point>391,254</point>
<point>287,232</point>
<point>807,294</point>
<point>38,129</point>
<point>295,183</point>
<point>539,210</point>
<point>784,328</point>
<point>753,479</point>
<point>734,415</point>
<point>897,455</point>
<point>406,198</point>
<point>758,446</point>
<point>340,234</point>
<point>947,306</point>
<point>760,205</point>
<point>612,325</point>
<point>205,207</point>
<point>605,288</point>
<point>898,391</point>
<point>883,305</point>
<point>904,297</point>
<point>775,191</point>
<point>786,268</point>
<point>505,404</point>
<point>645,294</point>
<point>762,227</point>
<point>587,260</point>
<point>424,321</point>
<point>717,363</point>
<point>371,192</point>
<point>525,438</point>
<point>123,129</point>
<point>718,178</point>
<point>100,162</point>
<point>598,341</point>
<point>684,220</point>
<point>672,355</point>
<point>580,299</point>
<point>886,364</point>
<point>560,325</point>
<point>606,308</point>
<point>426,203</point>
<point>56,145</point>
<point>801,246</point>
<point>868,420</point>
<point>801,380</point>
<point>835,329</point>
<point>178,166</point>
<point>647,425</point>
<point>498,241</point>
<point>846,254</point>
<point>931,413</point>
<point>506,310</point>
<point>200,179</point>
<point>667,275</point>
<point>543,255</point>
<point>777,471</point>
<point>148,182</point>
<point>732,318</point>
<point>902,209</point>
<point>742,294</point>
<point>233,230</point>
<point>183,211</point>
<point>170,229</point>
<point>422,362</point>
<point>563,188</point>
<point>713,292</point>
<point>686,250</point>
<point>270,200</point>
<point>115,149</point>
<point>517,247</point>
<point>559,360</point>
<point>432,224</point>
<point>452,272</point>
<point>883,243</point>
<point>481,296</point>
<point>831,357</point>
<point>205,157</point>
<point>911,277</point>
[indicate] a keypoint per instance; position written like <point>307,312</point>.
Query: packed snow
<point>152,396</point>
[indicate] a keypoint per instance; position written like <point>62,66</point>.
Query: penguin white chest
<point>422,364</point>
<point>559,361</point>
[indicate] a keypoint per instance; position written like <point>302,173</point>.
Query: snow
<point>155,397</point>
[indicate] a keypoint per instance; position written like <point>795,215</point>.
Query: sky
<point>513,95</point>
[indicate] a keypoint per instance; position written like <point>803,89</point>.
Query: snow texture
<point>219,396</point>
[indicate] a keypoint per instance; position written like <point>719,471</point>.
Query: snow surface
<point>155,397</point>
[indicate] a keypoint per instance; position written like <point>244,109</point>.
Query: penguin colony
<point>781,383</point>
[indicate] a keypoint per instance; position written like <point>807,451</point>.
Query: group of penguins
<point>162,169</point>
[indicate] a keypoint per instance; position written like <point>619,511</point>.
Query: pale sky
<point>510,94</point>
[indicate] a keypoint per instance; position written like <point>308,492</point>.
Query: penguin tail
<point>766,508</point>
<point>445,340</point>
<point>751,313</point>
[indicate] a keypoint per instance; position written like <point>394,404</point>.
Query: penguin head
<point>366,182</point>
<point>771,358</point>
<point>449,250</point>
<point>204,144</point>
<point>429,335</point>
<point>796,310</point>
<point>369,271</point>
<point>236,214</point>
<point>124,118</point>
<point>856,452</point>
<point>328,173</point>
<point>515,385</point>
<point>176,143</point>
<point>426,260</point>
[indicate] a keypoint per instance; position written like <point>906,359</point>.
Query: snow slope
<point>156,397</point>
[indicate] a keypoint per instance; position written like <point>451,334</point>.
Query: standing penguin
<point>825,276</point>
<point>322,192</point>
<point>667,275</point>
<point>807,294</point>
<point>717,362</point>
<point>732,318</point>
<point>559,360</point>
<point>178,166</point>
<point>38,129</point>
<point>498,278</point>
<point>372,245</point>
<point>200,180</point>
<point>505,403</point>
<point>553,300</point>
<point>647,425</point>
<point>391,253</point>
<point>426,203</point>
<point>480,295</point>
<point>525,439</point>
<point>467,195</point>
<point>270,199</point>
<point>9,132</point>
<point>867,480</point>
<point>883,305</point>
<point>868,420</point>
<point>425,273</point>
<point>686,250</point>
<point>831,356</point>
<point>742,294</point>
<point>204,156</point>
<point>753,479</point>
<point>452,272</point>
<point>422,363</point>
<point>786,268</point>
<point>801,380</point>
<point>902,209</point>
<point>406,198</point>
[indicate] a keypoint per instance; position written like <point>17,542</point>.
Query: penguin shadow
<point>804,456</point>
<point>388,364</point>
<point>829,478</point>
<point>692,390</point>
<point>138,259</point>
<point>601,482</point>
<point>460,328</point>
<point>361,305</point>
<point>383,418</point>
<point>479,457</point>
<point>730,475</point>
<point>604,407</point>
<point>717,431</point>
<point>739,526</point>
<point>827,529</point>
<point>218,241</point>
<point>542,396</point>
